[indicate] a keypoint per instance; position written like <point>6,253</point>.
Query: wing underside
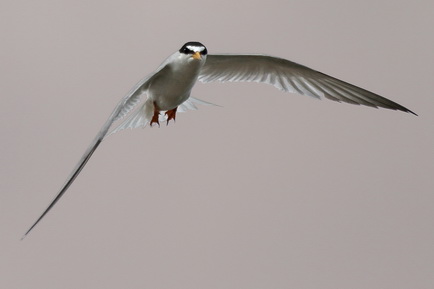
<point>290,77</point>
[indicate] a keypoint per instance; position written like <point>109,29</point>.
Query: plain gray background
<point>271,190</point>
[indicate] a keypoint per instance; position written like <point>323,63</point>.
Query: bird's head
<point>194,50</point>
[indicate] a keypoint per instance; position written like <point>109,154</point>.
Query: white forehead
<point>196,48</point>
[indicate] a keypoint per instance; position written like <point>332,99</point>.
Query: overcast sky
<point>270,190</point>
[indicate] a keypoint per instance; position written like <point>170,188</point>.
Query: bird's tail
<point>139,118</point>
<point>142,116</point>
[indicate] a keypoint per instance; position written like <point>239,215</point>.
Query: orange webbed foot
<point>155,116</point>
<point>171,114</point>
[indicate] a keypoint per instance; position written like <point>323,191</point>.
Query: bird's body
<point>181,78</point>
<point>169,88</point>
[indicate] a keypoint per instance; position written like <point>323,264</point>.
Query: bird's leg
<point>171,114</point>
<point>155,116</point>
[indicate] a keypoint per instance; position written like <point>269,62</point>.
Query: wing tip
<point>28,231</point>
<point>409,111</point>
<point>402,108</point>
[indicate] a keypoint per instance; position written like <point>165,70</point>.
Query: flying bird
<point>162,93</point>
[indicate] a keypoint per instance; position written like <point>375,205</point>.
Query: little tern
<point>167,90</point>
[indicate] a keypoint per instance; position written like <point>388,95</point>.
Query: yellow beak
<point>197,55</point>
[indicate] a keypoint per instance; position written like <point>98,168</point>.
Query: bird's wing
<point>291,77</point>
<point>124,107</point>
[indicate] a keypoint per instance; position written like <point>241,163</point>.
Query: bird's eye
<point>204,51</point>
<point>185,50</point>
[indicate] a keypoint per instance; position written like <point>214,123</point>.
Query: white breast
<point>172,85</point>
